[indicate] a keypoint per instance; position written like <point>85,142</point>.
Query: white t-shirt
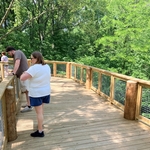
<point>39,84</point>
<point>4,58</point>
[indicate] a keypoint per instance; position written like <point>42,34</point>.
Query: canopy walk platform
<point>79,119</point>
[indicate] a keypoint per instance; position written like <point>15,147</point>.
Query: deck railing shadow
<point>130,94</point>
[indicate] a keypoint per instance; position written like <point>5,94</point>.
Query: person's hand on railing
<point>11,73</point>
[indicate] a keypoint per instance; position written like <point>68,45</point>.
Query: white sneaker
<point>26,109</point>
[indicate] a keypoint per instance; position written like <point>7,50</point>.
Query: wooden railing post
<point>54,69</point>
<point>88,78</point>
<point>11,113</point>
<point>29,62</point>
<point>81,77</point>
<point>75,72</point>
<point>99,83</point>
<point>130,100</point>
<point>112,88</point>
<point>68,70</point>
<point>2,70</point>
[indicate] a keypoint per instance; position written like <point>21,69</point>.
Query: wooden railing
<point>10,95</point>
<point>9,101</point>
<point>130,94</point>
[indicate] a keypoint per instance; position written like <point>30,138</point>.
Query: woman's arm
<point>25,76</point>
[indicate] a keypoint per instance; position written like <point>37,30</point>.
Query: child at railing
<point>4,59</point>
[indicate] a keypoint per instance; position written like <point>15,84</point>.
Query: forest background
<point>109,34</point>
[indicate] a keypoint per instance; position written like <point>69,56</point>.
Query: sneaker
<point>37,134</point>
<point>26,109</point>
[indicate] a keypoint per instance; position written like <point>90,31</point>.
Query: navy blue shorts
<point>37,101</point>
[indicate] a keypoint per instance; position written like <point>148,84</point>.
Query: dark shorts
<point>37,101</point>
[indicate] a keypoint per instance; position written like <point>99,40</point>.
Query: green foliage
<point>109,34</point>
<point>124,38</point>
<point>92,61</point>
<point>145,104</point>
<point>120,89</point>
<point>105,85</point>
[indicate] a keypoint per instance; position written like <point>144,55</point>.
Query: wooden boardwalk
<point>79,119</point>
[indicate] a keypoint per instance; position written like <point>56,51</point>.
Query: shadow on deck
<point>79,119</point>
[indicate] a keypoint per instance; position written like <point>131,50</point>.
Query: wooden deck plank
<point>79,119</point>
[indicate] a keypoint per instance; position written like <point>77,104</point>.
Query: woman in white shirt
<point>38,76</point>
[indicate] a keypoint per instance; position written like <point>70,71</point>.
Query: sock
<point>29,106</point>
<point>40,131</point>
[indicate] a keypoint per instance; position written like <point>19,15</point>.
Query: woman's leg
<point>39,112</point>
